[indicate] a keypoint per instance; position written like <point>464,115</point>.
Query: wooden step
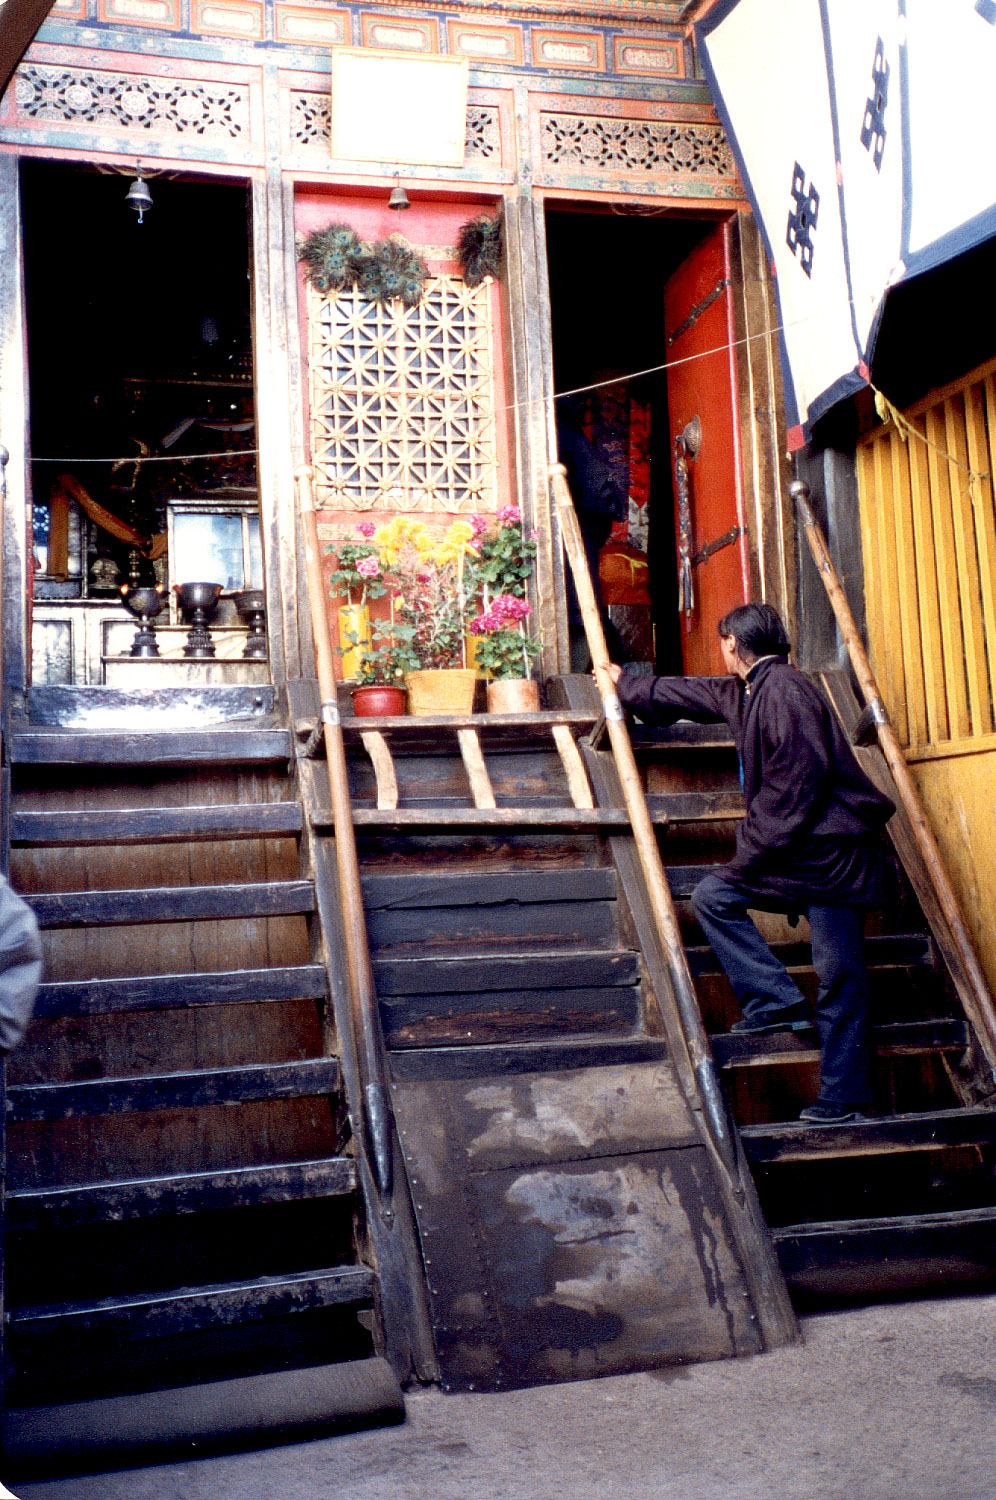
<point>444,912</point>
<point>435,888</point>
<point>567,968</point>
<point>527,1057</point>
<point>155,825</point>
<point>929,1130</point>
<point>947,1034</point>
<point>682,736</point>
<point>494,997</point>
<point>73,1206</point>
<point>155,1091</point>
<point>91,997</point>
<point>435,734</point>
<point>848,1258</point>
<point>175,747</point>
<point>205,903</point>
<point>485,1017</point>
<point>187,1308</point>
<point>895,951</point>
<point>664,808</point>
<point>180,709</point>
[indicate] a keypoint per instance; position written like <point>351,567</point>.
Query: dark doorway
<point>608,270</point>
<point>140,357</point>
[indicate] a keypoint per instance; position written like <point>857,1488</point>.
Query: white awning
<point>863,131</point>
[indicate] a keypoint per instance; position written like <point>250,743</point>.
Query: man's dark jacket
<point>811,833</point>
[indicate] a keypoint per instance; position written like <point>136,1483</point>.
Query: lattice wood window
<point>402,400</point>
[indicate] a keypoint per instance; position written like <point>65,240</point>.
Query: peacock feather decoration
<point>402,272</point>
<point>481,248</point>
<point>329,255</point>
<point>382,271</point>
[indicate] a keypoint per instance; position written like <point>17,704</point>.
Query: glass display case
<point>214,541</point>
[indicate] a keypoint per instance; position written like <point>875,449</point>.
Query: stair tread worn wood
<point>74,1205</point>
<point>927,1129</point>
<point>172,904</point>
<point>152,825</point>
<point>155,1091</point>
<point>945,1034</point>
<point>664,808</point>
<point>526,1057</point>
<point>908,1224</point>
<point>485,973</point>
<point>387,891</point>
<point>174,747</point>
<point>893,949</point>
<point>89,997</point>
<point>192,1307</point>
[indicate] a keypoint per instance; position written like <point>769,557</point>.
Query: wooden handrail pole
<point>683,1020</point>
<point>981,1001</point>
<point>662,905</point>
<point>376,1116</point>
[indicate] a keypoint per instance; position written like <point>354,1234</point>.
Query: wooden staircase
<point>572,1212</point>
<point>182,1202</point>
<point>188,1197</point>
<point>904,1203</point>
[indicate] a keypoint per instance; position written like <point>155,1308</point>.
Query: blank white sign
<point>395,108</point>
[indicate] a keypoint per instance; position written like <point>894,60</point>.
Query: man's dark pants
<point>763,987</point>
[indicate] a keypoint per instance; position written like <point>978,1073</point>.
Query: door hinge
<point>726,540</point>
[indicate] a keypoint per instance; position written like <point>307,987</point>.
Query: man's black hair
<point>757,629</point>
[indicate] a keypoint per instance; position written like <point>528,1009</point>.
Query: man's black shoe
<point>789,1018</point>
<point>830,1114</point>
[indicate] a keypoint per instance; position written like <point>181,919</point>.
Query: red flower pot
<point>378,700</point>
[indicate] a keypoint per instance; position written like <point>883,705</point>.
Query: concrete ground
<point>882,1403</point>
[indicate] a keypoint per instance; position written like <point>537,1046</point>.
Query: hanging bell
<point>398,199</point>
<point>138,196</point>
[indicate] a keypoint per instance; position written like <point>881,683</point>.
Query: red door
<point>701,383</point>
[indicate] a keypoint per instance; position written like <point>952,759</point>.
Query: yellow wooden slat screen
<point>928,531</point>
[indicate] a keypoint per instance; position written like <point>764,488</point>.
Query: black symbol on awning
<point>802,220</point>
<point>873,124</point>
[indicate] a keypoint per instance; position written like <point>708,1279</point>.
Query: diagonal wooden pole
<point>684,1023</point>
<point>376,1108</point>
<point>662,905</point>
<point>975,993</point>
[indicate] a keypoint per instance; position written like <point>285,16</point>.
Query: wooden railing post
<point>375,1107</point>
<point>974,990</point>
<point>686,1031</point>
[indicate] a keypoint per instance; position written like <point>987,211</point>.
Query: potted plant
<point>504,653</point>
<point>359,576</point>
<point>431,577</point>
<point>504,555</point>
<point>380,679</point>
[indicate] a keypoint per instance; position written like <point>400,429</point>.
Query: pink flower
<point>505,611</point>
<point>508,609</point>
<point>534,535</point>
<point>367,529</point>
<point>368,567</point>
<point>478,525</point>
<point>510,515</point>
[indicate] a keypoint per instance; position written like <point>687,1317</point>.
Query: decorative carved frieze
<point>651,148</point>
<point>130,101</point>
